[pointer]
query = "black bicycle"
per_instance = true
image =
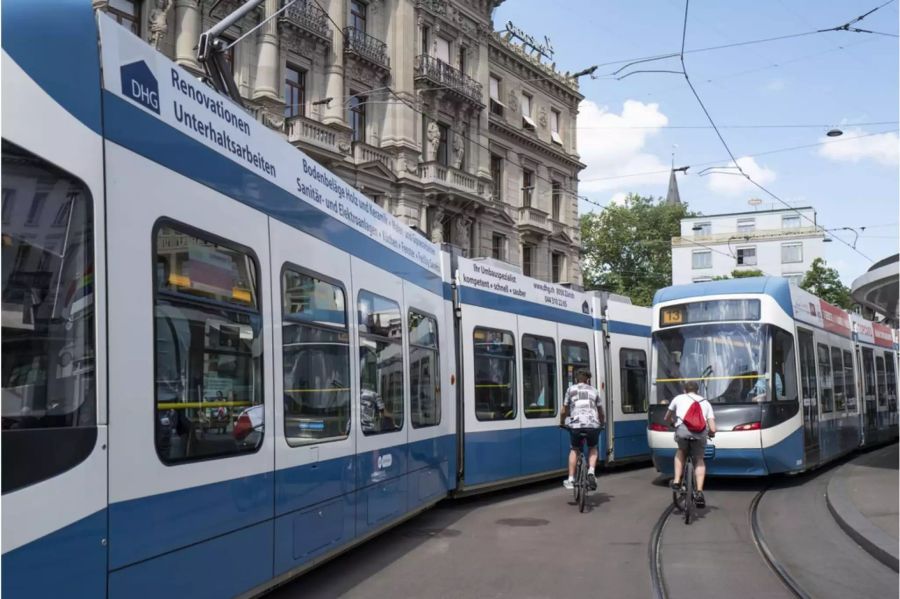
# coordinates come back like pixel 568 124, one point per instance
pixel 581 485
pixel 684 498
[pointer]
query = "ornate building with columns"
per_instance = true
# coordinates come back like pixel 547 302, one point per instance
pixel 457 130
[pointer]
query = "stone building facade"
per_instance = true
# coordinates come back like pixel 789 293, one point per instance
pixel 419 104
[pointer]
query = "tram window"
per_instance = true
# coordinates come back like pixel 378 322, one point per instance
pixel 539 376
pixel 826 384
pixel 784 369
pixel 495 374
pixel 849 381
pixel 879 379
pixel 837 365
pixel 316 359
pixel 575 356
pixel 808 383
pixel 380 364
pixel 424 371
pixel 633 368
pixel 48 355
pixel 208 331
pixel 891 380
pixel 868 374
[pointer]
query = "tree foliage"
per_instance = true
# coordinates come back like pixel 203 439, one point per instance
pixel 628 247
pixel 825 282
pixel 741 274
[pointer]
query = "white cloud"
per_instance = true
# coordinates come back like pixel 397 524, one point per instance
pixel 881 148
pixel 612 145
pixel 618 198
pixel 735 184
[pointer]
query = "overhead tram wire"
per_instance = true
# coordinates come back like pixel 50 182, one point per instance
pixel 728 149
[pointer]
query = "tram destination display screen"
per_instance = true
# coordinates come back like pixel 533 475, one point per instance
pixel 709 311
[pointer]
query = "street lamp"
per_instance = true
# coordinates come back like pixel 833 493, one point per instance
pixel 588 71
pixel 834 133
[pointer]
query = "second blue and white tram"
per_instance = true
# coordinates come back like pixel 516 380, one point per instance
pixel 794 381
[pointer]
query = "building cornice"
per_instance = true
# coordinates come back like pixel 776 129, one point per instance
pixel 538 74
pixel 533 143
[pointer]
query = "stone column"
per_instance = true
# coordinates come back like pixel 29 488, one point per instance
pixel 267 66
pixel 481 157
pixel 335 111
pixel 187 34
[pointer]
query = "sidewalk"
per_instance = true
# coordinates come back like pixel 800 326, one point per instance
pixel 863 497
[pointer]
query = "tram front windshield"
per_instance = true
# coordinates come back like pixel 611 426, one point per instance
pixel 728 361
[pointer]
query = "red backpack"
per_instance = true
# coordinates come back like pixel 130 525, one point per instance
pixel 694 420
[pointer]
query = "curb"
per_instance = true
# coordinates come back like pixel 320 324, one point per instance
pixel 871 538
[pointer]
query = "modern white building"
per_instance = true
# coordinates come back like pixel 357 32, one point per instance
pixel 780 242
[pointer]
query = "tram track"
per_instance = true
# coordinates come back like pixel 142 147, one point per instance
pixel 765 551
pixel 657 582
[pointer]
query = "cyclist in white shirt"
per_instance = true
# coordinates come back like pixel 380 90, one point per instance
pixel 583 415
pixel 677 410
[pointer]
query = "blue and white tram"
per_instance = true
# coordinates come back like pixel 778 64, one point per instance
pixel 782 369
pixel 221 364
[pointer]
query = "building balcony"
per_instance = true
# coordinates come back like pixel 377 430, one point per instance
pixel 447 179
pixel 366 48
pixel 305 132
pixel 534 220
pixel 306 18
pixel 438 74
pixel 435 7
pixel 749 236
pixel 364 153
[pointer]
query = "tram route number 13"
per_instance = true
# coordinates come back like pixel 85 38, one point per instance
pixel 672 316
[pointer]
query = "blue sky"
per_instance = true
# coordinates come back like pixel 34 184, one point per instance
pixel 834 79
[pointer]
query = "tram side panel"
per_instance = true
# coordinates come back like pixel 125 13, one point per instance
pixel 55 435
pixel 578 351
pixel 628 383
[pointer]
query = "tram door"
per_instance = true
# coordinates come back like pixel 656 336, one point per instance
pixel 809 388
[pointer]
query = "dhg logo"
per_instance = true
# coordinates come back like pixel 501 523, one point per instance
pixel 139 84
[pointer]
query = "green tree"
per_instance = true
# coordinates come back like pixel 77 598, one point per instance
pixel 628 247
pixel 741 274
pixel 825 282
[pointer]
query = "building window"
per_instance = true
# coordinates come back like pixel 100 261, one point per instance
pixel 746 225
pixel 495 374
pixel 36 208
pixel 208 356
pixel 539 376
pixel 496 105
pixel 498 246
pixel 554 127
pixel 380 364
pixel 9 201
pixel 746 256
pixel 426 38
pixel 497 177
pixel 633 370
pixel 527 259
pixel 294 91
pixel 358 16
pixel 556 199
pixel 462 60
pixel 790 222
pixel 794 278
pixel 442 49
pixel 424 371
pixel 126 13
pixel 527 121
pixel 791 252
pixel 358 116
pixel 702 229
pixel 316 359
pixel 527 187
pixel 558 265
pixel 443 152
pixel 575 356
pixel 701 259
pixel 229 55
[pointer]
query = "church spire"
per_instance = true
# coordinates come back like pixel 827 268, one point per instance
pixel 673 197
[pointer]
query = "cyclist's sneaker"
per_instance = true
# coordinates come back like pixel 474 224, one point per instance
pixel 675 486
pixel 592 481
pixel 699 499
pixel 569 483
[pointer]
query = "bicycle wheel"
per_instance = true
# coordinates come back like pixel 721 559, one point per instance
pixel 688 491
pixel 576 488
pixel 582 482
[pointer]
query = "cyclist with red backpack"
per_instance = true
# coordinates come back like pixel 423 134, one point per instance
pixel 694 420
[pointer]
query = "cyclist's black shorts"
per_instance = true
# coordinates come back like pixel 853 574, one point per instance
pixel 592 435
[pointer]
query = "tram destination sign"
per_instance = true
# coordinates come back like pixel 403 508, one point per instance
pixel 144 78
